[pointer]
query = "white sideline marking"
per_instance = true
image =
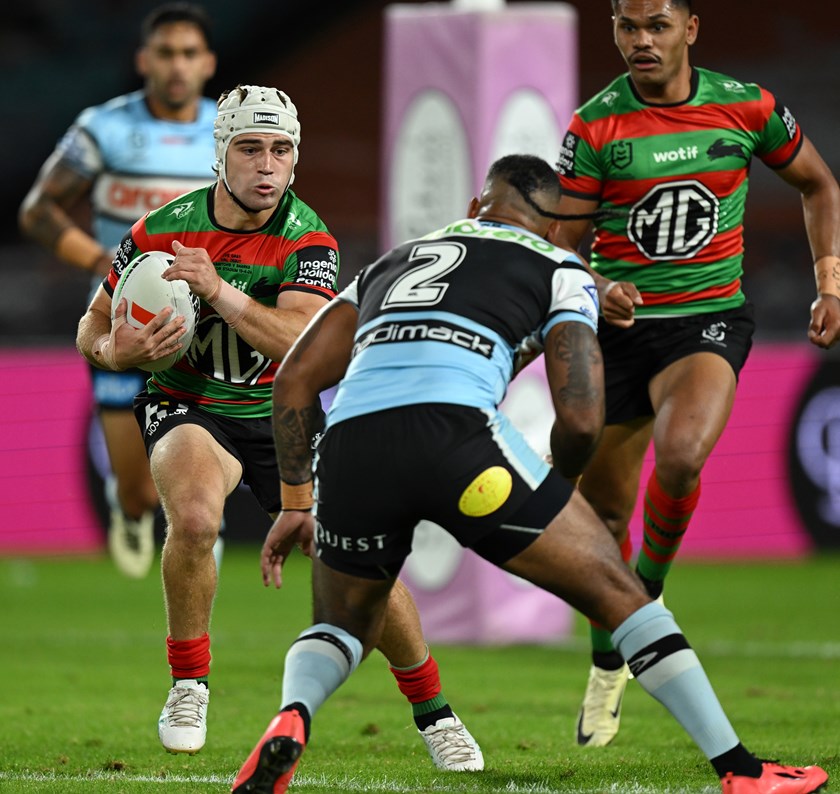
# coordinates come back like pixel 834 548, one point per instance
pixel 328 784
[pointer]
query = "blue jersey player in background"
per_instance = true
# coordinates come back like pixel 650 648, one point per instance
pixel 125 157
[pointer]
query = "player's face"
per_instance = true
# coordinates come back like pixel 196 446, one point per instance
pixel 653 37
pixel 258 167
pixel 176 63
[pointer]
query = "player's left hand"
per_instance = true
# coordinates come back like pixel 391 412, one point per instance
pixel 194 266
pixel 824 329
pixel 290 528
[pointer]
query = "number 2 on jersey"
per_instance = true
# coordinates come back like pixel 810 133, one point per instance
pixel 422 285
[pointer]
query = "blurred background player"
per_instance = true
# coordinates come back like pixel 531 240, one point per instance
pixel 126 157
pixel 669 146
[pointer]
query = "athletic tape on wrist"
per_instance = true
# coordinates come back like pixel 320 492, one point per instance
pixel 229 303
pixel 827 275
pixel 103 351
pixel 296 497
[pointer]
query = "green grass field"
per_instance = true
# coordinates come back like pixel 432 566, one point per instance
pixel 83 676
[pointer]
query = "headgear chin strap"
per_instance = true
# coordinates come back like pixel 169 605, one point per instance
pixel 253 108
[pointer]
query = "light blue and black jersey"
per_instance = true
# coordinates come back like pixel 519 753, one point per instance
pixel 427 332
pixel 137 162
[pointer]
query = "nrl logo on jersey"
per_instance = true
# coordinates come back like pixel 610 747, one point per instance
pixel 182 210
pixel 621 154
pixel 733 85
pixel 609 98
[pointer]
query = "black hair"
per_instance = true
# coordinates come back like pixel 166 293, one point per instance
pixel 686 4
pixel 170 13
pixel 529 174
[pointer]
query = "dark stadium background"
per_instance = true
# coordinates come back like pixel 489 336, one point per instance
pixel 58 57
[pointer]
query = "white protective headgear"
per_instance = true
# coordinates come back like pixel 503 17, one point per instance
pixel 254 108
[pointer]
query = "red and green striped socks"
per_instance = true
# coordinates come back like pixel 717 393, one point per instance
pixel 665 522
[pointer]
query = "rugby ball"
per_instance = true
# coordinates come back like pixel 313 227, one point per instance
pixel 147 294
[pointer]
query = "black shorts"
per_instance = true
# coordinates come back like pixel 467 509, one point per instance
pixel 632 356
pixel 250 441
pixel 468 470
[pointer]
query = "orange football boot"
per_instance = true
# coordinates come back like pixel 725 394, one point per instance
pixel 776 779
pixel 271 765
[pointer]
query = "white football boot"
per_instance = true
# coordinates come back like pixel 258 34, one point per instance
pixel 452 746
pixel 182 726
pixel 600 713
pixel 132 543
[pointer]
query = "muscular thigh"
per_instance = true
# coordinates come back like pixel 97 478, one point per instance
pixel 693 399
pixel 190 458
pixel 576 560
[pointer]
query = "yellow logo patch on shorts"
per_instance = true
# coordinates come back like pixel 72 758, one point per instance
pixel 486 493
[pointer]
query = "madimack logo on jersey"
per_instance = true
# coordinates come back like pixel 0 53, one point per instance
pixel 425 331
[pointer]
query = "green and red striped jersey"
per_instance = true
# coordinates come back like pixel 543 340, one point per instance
pixel 292 251
pixel 676 177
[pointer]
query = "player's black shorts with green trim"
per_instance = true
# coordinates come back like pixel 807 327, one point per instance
pixel 467 469
pixel 250 441
pixel 632 356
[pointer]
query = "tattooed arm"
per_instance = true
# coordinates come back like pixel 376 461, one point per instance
pixel 575 371
pixel 316 361
pixel 45 217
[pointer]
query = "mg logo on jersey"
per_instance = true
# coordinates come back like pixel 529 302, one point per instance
pixel 622 153
pixel 674 220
